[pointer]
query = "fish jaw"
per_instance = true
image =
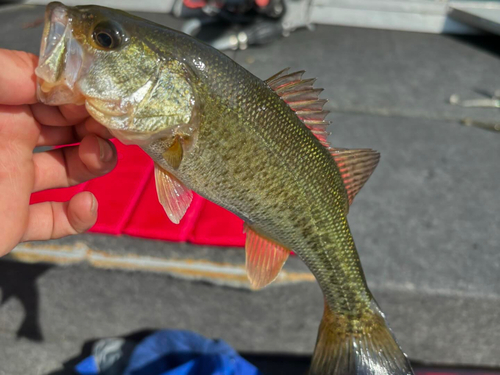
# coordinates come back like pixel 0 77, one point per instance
pixel 61 59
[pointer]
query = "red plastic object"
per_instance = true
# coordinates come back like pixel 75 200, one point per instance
pixel 128 204
pixel 119 191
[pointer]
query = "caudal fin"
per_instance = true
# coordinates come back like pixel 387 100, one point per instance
pixel 364 346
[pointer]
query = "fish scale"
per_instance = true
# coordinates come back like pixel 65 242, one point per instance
pixel 328 250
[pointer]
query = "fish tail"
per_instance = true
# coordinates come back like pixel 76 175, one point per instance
pixel 361 346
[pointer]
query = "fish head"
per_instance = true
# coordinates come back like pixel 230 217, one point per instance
pixel 110 61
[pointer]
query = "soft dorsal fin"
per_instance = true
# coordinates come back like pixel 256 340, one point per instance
pixel 172 194
pixel 355 166
pixel 264 258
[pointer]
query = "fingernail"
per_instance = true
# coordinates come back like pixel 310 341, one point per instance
pixel 93 206
pixel 105 150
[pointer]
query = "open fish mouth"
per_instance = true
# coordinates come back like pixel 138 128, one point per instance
pixel 61 59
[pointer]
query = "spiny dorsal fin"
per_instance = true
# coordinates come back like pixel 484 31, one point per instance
pixel 172 194
pixel 303 99
pixel 355 165
pixel 264 258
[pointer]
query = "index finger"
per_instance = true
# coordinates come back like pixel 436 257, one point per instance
pixel 17 77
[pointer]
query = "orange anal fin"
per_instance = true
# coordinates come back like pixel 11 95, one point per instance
pixel 172 194
pixel 264 258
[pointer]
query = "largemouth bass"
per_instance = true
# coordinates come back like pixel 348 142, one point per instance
pixel 257 148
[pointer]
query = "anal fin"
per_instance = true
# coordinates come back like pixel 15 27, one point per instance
pixel 172 194
pixel 264 258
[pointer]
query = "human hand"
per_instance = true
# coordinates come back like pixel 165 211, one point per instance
pixel 26 124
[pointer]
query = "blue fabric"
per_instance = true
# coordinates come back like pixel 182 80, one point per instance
pixel 87 367
pixel 171 352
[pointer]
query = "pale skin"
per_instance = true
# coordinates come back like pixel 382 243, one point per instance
pixel 26 124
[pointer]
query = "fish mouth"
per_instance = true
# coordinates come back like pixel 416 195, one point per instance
pixel 61 59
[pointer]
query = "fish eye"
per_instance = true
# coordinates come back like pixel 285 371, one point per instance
pixel 107 35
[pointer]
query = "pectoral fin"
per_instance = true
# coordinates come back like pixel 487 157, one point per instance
pixel 172 194
pixel 173 154
pixel 264 258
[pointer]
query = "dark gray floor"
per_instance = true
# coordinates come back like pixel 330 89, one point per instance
pixel 426 224
pixel 388 73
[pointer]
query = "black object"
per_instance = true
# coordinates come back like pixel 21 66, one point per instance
pixel 233 24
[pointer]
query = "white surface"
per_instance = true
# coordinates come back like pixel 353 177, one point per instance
pixel 409 15
pixel 164 6
pixel 483 15
pixel 428 16
pixel 405 21
pixel 411 6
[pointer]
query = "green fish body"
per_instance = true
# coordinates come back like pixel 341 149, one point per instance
pixel 257 148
